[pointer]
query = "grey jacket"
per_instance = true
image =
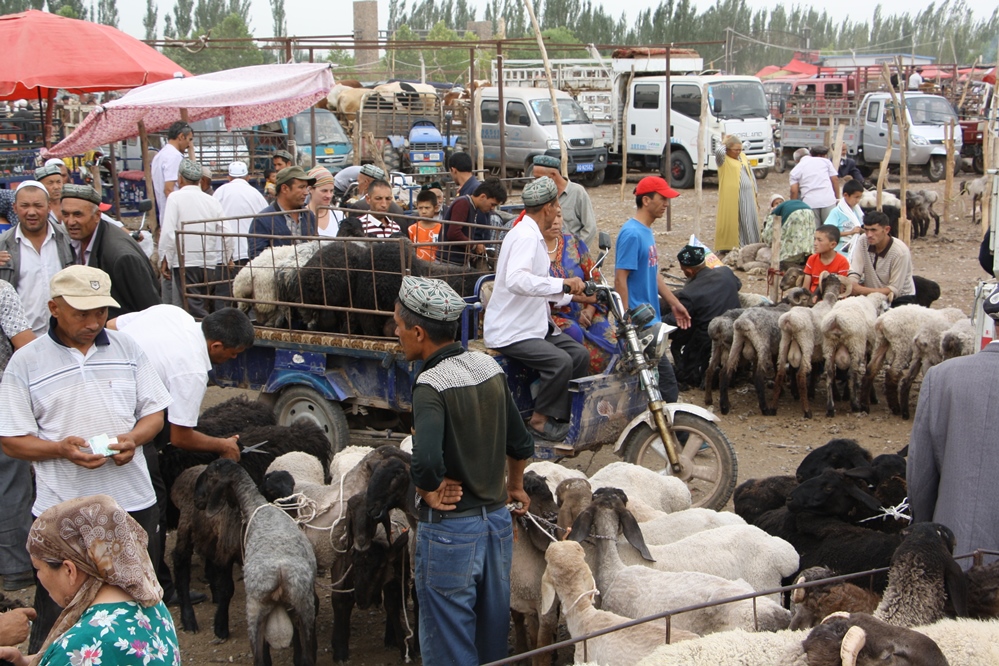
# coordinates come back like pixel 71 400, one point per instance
pixel 8 243
pixel 953 458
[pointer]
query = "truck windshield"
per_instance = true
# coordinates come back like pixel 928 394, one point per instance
pixel 930 110
pixel 328 129
pixel 572 113
pixel 737 99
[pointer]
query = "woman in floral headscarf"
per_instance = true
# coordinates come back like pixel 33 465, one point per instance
pixel 91 557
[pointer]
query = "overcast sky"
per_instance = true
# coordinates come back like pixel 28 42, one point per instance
pixel 309 17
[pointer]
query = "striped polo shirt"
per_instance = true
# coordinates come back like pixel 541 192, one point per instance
pixel 52 391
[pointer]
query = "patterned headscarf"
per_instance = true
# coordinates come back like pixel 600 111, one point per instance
pixel 105 543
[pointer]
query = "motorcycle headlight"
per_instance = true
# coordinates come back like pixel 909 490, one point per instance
pixel 641 315
pixel 553 144
pixel 919 140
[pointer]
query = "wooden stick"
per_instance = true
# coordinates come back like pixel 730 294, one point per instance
pixel 883 167
pixel 702 132
pixel 949 182
pixel 775 259
pixel 152 219
pixel 902 117
pixel 190 146
pixel 989 158
pixel 477 120
pixel 563 146
pixel 624 133
pixel 967 84
pixel 837 148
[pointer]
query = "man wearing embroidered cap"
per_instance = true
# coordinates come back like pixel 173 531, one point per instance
pixel 708 293
pixel 636 266
pixel 281 159
pixel 51 178
pixel 285 216
pixel 78 383
pixel 98 244
pixel 239 200
pixel 32 252
pixel 202 245
pixel 578 216
pixel 518 320
pixel 467 432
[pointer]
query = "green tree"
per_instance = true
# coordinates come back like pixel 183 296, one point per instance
pixel 280 19
pixel 559 35
pixel 69 8
pixel 149 20
pixel 107 13
pixel 182 19
pixel 224 56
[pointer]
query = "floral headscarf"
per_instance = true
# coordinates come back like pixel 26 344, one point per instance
pixel 105 543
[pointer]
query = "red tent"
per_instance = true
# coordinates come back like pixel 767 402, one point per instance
pixel 990 76
pixel 47 52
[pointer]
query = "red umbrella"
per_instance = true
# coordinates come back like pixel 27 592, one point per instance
pixel 990 76
pixel 46 52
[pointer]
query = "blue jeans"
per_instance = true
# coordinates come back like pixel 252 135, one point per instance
pixel 463 586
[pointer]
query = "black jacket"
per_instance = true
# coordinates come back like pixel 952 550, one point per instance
pixel 133 281
pixel 708 294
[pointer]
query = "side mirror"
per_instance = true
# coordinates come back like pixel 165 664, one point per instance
pixel 717 107
pixel 604 241
pixel 782 107
pixel 145 205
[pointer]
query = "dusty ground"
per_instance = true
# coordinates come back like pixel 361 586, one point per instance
pixel 764 445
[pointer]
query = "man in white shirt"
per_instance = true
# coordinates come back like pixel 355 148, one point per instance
pixel 915 79
pixel 518 319
pixel 241 200
pixel 65 394
pixel 816 182
pixel 202 245
pixel 36 249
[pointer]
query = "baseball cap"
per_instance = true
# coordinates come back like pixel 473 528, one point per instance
pixel 238 170
pixel 83 288
pixel 653 184
pixel 293 173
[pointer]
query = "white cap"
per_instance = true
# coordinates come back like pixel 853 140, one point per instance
pixel 31 183
pixel 238 170
pixel 21 104
pixel 56 161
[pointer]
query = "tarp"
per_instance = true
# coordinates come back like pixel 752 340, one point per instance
pixel 794 68
pixel 245 97
pixel 990 76
pixel 46 52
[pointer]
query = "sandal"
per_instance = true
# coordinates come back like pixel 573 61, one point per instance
pixel 553 431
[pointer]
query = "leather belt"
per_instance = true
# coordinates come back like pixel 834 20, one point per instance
pixel 428 515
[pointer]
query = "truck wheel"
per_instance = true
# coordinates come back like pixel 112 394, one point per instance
pixel 761 174
pixel 978 163
pixel 613 173
pixel 392 158
pixel 301 403
pixel 936 168
pixel 708 459
pixel 680 173
pixel 594 179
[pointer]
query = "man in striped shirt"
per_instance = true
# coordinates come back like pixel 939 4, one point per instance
pixel 377 223
pixel 67 392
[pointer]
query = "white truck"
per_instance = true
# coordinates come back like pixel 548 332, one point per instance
pixel 736 105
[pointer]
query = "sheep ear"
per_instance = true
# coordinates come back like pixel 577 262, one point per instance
pixel 864 498
pixel 853 643
pixel 548 596
pixel 864 472
pixel 633 533
pixel 581 526
pixel 217 500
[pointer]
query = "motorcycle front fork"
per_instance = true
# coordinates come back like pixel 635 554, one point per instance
pixel 661 416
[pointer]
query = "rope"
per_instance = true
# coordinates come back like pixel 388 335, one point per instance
pixel 246 528
pixel 343 578
pixel 772 274
pixel 589 593
pixel 894 512
pixel 405 613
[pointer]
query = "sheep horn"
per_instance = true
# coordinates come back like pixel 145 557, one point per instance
pixel 837 614
pixel 799 594
pixel 853 643
pixel 848 287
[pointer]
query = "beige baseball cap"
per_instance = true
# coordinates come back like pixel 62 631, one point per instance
pixel 83 287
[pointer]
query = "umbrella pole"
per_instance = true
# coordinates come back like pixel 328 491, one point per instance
pixel 152 220
pixel 190 146
pixel 41 119
pixel 116 201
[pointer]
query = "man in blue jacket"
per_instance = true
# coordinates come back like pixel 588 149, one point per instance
pixel 284 217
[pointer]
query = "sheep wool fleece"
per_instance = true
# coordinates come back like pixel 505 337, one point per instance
pixel 466 425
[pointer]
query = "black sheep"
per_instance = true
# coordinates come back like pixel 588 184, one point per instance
pixel 326 279
pixel 835 454
pixel 927 290
pixel 755 497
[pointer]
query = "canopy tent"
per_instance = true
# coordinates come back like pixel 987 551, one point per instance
pixel 244 97
pixel 793 68
pixel 46 52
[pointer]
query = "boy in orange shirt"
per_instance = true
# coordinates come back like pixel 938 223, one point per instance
pixel 427 230
pixel 826 258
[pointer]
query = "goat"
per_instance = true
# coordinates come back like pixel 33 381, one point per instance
pixel 976 188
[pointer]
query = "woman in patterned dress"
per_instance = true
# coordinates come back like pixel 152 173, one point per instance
pixel 91 557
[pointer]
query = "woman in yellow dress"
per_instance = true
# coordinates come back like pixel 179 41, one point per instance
pixel 737 222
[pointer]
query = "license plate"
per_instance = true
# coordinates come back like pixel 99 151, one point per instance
pixel 428 169
pixel 753 162
pixel 585 166
pixel 329 151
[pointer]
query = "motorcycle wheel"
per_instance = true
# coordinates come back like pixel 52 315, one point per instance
pixel 708 459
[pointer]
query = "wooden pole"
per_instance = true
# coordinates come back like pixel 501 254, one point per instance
pixel 476 117
pixel 989 156
pixel 967 83
pixel 147 170
pixel 502 115
pixel 190 146
pixel 115 192
pixel 774 290
pixel 883 167
pixel 624 132
pixel 836 148
pixel 902 117
pixel 551 88
pixel 702 131
pixel 477 122
pixel 669 133
pixel 949 182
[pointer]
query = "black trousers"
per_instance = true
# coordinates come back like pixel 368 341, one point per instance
pixel 558 358
pixel 48 610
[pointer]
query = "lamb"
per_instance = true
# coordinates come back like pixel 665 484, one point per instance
pixel 303 467
pixel 800 340
pixel 834 454
pixel 755 337
pixel 755 497
pixel 869 200
pixel 637 591
pixel 847 336
pixel 976 188
pixel 965 642
pixel 553 473
pixel 958 340
pixel 923 578
pixel 568 578
pixel 720 332
pixel 279 568
pixel 812 604
pixel 672 527
pixel 926 351
pixel 919 207
pixel 258 283
pixel 572 496
pixel 663 493
pixel 894 332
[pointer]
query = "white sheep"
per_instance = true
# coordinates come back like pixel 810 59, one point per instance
pixel 847 337
pixel 976 188
pixel 661 492
pixel 303 467
pixel 567 578
pixel 925 351
pixel 958 340
pixel 894 332
pixel 673 527
pixel 258 280
pixel 965 642
pixel 870 200
pixel 553 472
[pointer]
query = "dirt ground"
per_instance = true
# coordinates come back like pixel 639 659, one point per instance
pixel 764 445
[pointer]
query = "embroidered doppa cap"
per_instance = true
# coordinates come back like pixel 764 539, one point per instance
pixel 43 172
pixel 190 170
pixel 691 256
pixel 539 192
pixel 83 287
pixel 84 192
pixel 434 299
pixel 238 169
pixel 372 171
pixel 547 161
pixel 283 154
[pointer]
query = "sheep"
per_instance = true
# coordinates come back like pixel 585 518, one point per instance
pixel 553 473
pixel 326 280
pixel 258 284
pixel 958 340
pixel 672 527
pixel 965 642
pixel 894 332
pixel 748 300
pixel 977 189
pixel 755 497
pixel 732 551
pixel 637 591
pixel 793 277
pixel 926 290
pixel 572 496
pixel 663 493
pixel 234 416
pixel 834 454
pixel 755 337
pixel 847 336
pixel 869 200
pixel 925 353
pixel 923 578
pixel 279 568
pixel 303 467
pixel 919 208
pixel 720 332
pixel 568 578
pixel 812 604
pixel 800 340
pixel 983 590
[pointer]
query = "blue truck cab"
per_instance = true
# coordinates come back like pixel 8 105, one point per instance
pixel 333 147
